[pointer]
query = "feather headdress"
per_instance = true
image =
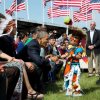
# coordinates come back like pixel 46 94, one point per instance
pixel 78 31
pixel 4 20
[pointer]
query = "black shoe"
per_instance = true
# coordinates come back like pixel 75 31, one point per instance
pixel 98 82
pixel 89 76
pixel 35 96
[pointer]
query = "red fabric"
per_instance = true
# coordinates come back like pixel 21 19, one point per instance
pixel 15 46
pixel 83 42
pixel 69 23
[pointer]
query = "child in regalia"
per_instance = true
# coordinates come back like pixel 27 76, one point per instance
pixel 72 70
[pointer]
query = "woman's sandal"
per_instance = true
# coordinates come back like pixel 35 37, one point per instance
pixel 34 98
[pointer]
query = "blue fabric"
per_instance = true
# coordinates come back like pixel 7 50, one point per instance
pixel 52 73
pixel 66 84
pixel 84 31
pixel 20 46
pixel 77 50
pixel 11 39
pixel 75 71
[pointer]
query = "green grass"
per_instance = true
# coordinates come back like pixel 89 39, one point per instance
pixel 88 85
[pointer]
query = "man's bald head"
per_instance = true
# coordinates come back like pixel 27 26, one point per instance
pixel 92 25
pixel 43 28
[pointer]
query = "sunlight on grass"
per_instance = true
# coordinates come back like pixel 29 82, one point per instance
pixel 91 90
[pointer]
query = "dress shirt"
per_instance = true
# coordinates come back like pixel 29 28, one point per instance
pixel 60 39
pixel 91 35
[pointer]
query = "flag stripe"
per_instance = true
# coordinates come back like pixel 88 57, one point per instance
pixel 20 6
pixel 57 12
pixel 70 3
pixel 77 16
pixel 45 1
pixel 89 5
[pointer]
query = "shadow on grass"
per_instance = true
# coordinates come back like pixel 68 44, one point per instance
pixel 91 89
pixel 57 88
pixel 54 89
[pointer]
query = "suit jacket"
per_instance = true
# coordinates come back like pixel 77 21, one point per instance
pixel 96 42
pixel 31 52
pixel 7 47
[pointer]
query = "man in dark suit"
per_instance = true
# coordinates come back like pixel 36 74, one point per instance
pixel 31 52
pixel 93 49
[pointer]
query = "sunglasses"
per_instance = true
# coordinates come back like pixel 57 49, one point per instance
pixel 62 45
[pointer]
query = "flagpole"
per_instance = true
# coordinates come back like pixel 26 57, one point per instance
pixel 72 13
pixel 86 15
pixel 94 15
pixel 43 12
pixel 4 6
pixel 27 9
pixel 51 12
pixel 16 21
pixel 67 25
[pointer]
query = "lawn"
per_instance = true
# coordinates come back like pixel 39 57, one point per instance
pixel 91 90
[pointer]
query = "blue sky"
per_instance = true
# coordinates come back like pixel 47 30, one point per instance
pixel 36 13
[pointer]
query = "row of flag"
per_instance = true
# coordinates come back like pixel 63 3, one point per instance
pixel 58 11
pixel 62 8
pixel 70 3
pixel 20 6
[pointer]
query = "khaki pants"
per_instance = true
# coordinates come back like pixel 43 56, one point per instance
pixel 96 58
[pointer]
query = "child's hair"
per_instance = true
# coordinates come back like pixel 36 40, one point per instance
pixel 65 40
pixel 52 37
pixel 77 37
pixel 62 43
pixel 64 34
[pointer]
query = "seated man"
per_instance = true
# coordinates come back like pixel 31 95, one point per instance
pixel 54 51
pixel 2 83
pixel 31 52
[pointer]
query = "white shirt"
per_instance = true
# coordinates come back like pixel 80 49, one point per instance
pixel 60 39
pixel 91 35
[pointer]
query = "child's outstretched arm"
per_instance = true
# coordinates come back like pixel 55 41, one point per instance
pixel 74 56
pixel 78 57
pixel 64 55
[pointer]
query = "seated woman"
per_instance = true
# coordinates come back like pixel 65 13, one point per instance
pixel 23 78
pixel 11 28
pixel 23 38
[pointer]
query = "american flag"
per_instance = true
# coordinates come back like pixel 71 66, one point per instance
pixel 45 1
pixel 70 3
pixel 95 4
pixel 77 16
pixel 20 6
pixel 85 8
pixel 98 11
pixel 58 11
pixel 88 5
